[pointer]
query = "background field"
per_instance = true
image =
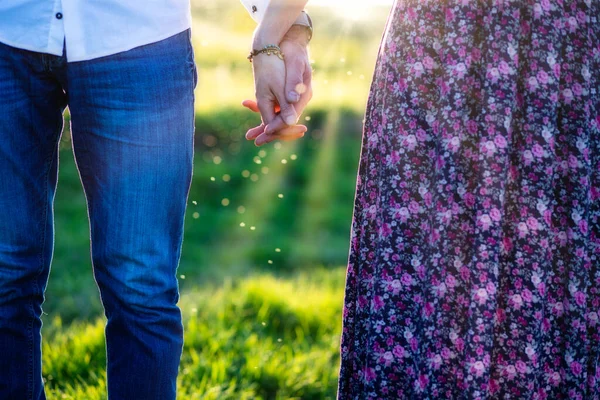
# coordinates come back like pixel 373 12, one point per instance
pixel 266 231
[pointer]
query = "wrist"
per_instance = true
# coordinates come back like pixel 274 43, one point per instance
pixel 301 31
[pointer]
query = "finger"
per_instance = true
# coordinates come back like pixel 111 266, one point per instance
pixel 251 105
pixel 294 85
pixel 291 133
pixel 287 111
pixel 266 106
pixel 254 132
pixel 290 130
pixel 278 123
pixel 284 138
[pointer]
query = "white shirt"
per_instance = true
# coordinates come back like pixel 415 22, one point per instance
pixel 95 28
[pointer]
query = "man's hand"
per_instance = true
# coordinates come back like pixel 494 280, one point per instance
pixel 295 95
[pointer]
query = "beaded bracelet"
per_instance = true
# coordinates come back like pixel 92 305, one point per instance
pixel 268 50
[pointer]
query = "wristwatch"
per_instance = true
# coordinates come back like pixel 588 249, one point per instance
pixel 305 20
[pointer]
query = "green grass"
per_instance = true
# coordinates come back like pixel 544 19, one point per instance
pixel 256 338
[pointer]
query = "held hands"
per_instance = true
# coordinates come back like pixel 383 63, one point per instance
pixel 283 88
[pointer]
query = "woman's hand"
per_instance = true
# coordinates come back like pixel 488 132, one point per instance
pixel 283 89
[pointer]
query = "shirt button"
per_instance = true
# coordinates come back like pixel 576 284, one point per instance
pixel 58 15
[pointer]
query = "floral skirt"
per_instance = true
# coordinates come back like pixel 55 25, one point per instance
pixel 473 270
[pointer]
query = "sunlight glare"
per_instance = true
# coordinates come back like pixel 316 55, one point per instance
pixel 351 9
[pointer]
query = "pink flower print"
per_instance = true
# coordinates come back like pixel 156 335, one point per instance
pixel 500 141
pixel 453 144
pixel 460 344
pixel 491 288
pixel 485 222
pixel 436 361
pixel 396 286
pixel 558 309
pixel 378 303
pixel 543 77
pixel 522 229
pixel 516 301
pixel 413 207
pixel 580 298
pixel 530 351
pixel 471 127
pixel 460 70
pixel 572 24
pixel 555 378
pixel 583 226
pixel 577 89
pixel 527 295
pixel 428 309
pixel 521 367
pixel 418 68
pixel 398 351
pixel 446 353
pixel 535 279
pixel 547 216
pixel 532 223
pixel 451 281
pixel 422 382
pixel 532 82
pixel 388 358
pixel 576 368
pixel 493 74
pixel 428 63
pixel 414 343
pixel 573 162
pixel 495 214
pixel 488 148
pixel 410 142
pixel 556 69
pixel 385 230
pixel 537 151
pixel 504 68
pixel 568 95
pixel 481 296
pixel 545 5
pixel 510 371
pixel 407 279
pixel 478 368
pixel 537 11
pixel 369 374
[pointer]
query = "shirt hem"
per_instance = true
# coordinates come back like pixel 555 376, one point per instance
pixel 44 50
pixel 105 53
pixel 130 46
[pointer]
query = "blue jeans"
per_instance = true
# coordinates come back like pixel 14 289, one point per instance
pixel 132 124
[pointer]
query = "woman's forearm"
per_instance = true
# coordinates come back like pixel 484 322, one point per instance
pixel 279 16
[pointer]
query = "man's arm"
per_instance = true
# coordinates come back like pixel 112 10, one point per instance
pixel 256 8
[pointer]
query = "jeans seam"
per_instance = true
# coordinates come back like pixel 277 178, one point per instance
pixel 39 271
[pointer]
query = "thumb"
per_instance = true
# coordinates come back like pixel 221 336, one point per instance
pixel 288 111
pixel 294 86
